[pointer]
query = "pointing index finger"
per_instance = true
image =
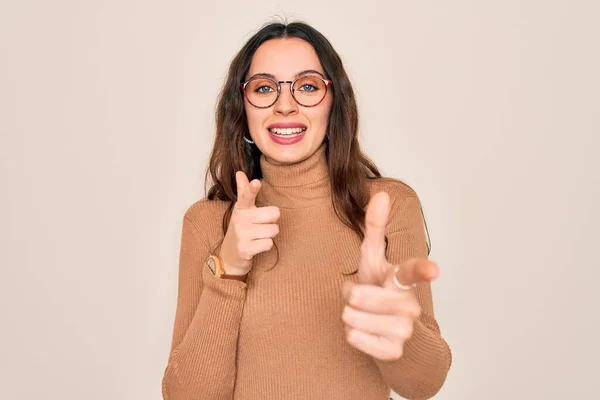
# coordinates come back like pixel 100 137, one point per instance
pixel 376 218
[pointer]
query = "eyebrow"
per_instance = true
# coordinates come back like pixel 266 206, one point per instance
pixel 301 73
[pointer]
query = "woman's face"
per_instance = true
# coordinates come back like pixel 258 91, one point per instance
pixel 275 129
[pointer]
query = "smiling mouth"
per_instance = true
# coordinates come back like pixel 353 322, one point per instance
pixel 287 132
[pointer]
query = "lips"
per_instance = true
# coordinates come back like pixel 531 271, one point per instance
pixel 287 129
pixel 287 138
pixel 286 132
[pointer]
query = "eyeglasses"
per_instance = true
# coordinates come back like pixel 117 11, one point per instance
pixel 307 90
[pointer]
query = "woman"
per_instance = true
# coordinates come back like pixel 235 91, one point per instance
pixel 288 289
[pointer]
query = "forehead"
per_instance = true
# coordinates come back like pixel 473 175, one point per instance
pixel 284 58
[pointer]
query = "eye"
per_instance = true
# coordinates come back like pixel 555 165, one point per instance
pixel 307 87
pixel 263 89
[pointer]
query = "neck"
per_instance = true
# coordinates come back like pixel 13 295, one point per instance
pixel 300 185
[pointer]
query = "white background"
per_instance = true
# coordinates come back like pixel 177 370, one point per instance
pixel 489 109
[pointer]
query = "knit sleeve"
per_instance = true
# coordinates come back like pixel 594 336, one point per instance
pixel 426 359
pixel 202 361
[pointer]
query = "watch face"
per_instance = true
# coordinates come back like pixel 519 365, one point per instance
pixel 211 265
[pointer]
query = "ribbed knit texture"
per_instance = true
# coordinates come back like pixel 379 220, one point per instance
pixel 280 335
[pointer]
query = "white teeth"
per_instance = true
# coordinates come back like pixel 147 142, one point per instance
pixel 287 131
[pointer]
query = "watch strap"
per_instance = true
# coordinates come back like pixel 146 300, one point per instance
pixel 217 267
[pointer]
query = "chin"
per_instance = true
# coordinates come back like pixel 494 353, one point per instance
pixel 289 154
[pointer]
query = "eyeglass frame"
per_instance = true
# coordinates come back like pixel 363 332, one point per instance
pixel 327 82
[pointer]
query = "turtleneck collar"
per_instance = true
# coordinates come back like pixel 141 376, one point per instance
pixel 300 185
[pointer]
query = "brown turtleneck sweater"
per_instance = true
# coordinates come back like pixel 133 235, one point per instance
pixel 280 335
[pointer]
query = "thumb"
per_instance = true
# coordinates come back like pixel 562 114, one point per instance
pixel 246 191
pixel 413 271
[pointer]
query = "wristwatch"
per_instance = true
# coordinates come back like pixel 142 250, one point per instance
pixel 215 265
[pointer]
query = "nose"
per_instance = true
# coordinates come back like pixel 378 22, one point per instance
pixel 285 104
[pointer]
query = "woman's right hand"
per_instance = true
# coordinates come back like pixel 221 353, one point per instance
pixel 251 229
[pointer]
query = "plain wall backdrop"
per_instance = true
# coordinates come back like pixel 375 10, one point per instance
pixel 489 109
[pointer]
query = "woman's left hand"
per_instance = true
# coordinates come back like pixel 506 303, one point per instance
pixel 379 316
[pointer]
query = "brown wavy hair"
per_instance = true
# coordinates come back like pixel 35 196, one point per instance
pixel 349 168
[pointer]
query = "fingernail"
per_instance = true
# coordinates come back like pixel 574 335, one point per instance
pixel 345 313
pixel 354 299
pixel 435 271
pixel 346 290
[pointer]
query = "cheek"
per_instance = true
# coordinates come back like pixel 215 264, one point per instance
pixel 320 116
pixel 255 118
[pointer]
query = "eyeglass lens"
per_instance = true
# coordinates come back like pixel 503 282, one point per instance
pixel 307 91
